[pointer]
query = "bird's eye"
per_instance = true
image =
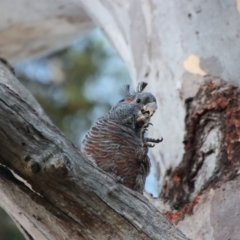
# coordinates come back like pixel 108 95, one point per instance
pixel 138 100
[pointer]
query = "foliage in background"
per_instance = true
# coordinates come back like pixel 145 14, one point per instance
pixel 74 86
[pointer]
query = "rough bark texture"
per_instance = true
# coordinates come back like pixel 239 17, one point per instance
pixel 7 76
pixel 204 189
pixel 61 194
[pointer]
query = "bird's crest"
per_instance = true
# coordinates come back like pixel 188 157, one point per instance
pixel 141 86
pixel 129 93
pixel 126 91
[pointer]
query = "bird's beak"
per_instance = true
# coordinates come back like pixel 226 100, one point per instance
pixel 149 108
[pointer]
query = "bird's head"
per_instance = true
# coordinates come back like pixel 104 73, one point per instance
pixel 137 107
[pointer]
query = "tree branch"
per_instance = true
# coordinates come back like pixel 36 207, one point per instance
pixel 66 196
pixel 7 76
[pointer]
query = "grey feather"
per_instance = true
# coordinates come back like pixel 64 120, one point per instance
pixel 141 86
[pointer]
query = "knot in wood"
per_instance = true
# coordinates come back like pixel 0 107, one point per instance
pixel 33 166
pixel 59 166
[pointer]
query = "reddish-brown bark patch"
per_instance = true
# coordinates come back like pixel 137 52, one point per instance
pixel 187 209
pixel 216 106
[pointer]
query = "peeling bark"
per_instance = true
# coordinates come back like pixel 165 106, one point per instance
pixel 62 195
pixel 204 188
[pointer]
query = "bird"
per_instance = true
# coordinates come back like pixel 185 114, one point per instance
pixel 116 141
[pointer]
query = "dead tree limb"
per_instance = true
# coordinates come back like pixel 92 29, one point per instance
pixel 61 194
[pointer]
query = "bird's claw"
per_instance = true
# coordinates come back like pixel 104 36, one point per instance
pixel 147 140
pixel 147 125
pixel 149 145
pixel 119 179
pixel 154 140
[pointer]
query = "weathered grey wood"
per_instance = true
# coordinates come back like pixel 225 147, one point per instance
pixel 7 76
pixel 70 197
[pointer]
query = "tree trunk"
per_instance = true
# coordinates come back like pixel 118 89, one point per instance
pixel 52 191
pixel 204 189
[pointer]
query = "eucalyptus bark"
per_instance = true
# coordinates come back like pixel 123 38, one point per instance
pixel 203 191
pixel 52 191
